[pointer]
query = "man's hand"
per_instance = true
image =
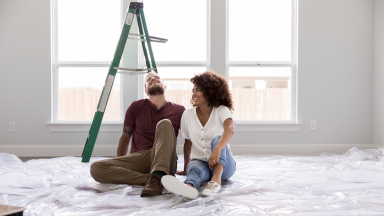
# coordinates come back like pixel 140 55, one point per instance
pixel 214 158
pixel 181 172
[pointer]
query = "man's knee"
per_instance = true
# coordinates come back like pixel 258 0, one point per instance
pixel 165 134
pixel 96 170
pixel 165 127
pixel 164 123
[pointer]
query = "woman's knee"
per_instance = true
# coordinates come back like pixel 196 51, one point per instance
pixel 224 151
pixel 214 142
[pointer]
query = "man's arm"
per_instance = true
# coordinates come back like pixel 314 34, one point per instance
pixel 187 154
pixel 122 148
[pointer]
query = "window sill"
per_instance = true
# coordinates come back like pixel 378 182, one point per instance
pixel 118 127
pixel 84 127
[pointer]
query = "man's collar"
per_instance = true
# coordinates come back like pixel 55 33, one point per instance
pixel 154 106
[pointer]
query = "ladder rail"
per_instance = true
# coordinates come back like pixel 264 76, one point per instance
pixel 96 123
pixel 148 39
pixel 139 24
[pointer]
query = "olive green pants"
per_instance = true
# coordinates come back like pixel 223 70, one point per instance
pixel 135 169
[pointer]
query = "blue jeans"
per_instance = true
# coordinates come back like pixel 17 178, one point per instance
pixel 198 171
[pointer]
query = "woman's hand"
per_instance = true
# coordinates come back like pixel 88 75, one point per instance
pixel 181 172
pixel 214 158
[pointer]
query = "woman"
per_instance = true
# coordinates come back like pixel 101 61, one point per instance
pixel 207 128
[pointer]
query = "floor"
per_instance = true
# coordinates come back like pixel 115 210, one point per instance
pixel 327 184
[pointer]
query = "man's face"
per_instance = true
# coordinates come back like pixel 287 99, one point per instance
pixel 154 85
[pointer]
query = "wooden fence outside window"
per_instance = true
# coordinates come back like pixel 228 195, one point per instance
pixel 249 104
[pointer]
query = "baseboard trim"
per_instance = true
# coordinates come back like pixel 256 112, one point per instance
pixel 56 150
pixel 237 149
pixel 296 149
pixel 241 125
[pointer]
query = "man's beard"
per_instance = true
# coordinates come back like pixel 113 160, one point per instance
pixel 156 89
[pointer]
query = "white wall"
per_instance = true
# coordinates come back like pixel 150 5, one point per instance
pixel 335 83
pixel 378 76
pixel 25 90
pixel 335 70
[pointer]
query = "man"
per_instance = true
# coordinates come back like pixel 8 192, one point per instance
pixel 153 124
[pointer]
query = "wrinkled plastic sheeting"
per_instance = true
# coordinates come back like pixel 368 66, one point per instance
pixel 327 184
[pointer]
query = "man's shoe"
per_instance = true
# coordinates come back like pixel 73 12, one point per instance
pixel 211 189
pixel 153 187
pixel 174 185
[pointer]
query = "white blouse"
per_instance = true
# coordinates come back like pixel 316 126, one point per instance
pixel 201 137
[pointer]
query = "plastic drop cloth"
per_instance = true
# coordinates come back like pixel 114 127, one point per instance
pixel 327 184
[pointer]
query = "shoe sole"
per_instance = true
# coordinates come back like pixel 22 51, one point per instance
pixel 174 185
pixel 208 194
pixel 147 195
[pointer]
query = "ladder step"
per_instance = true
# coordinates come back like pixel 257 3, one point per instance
pixel 152 38
pixel 131 38
pixel 134 69
pixel 157 39
pixel 136 34
pixel 132 73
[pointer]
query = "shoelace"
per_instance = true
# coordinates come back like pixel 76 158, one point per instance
pixel 211 185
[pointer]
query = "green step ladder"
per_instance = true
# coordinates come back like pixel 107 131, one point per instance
pixel 135 8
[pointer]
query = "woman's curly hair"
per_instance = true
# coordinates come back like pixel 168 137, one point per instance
pixel 215 89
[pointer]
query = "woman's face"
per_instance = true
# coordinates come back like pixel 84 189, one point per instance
pixel 198 97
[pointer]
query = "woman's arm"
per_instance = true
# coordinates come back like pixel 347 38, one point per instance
pixel 229 130
pixel 187 159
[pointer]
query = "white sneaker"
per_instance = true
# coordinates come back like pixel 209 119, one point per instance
pixel 174 185
pixel 211 189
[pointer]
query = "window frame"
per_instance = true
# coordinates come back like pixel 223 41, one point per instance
pixel 56 64
pixel 292 64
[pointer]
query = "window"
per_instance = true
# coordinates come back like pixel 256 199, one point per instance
pixel 259 42
pixel 185 25
pixel 261 58
pixel 260 52
pixel 84 40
